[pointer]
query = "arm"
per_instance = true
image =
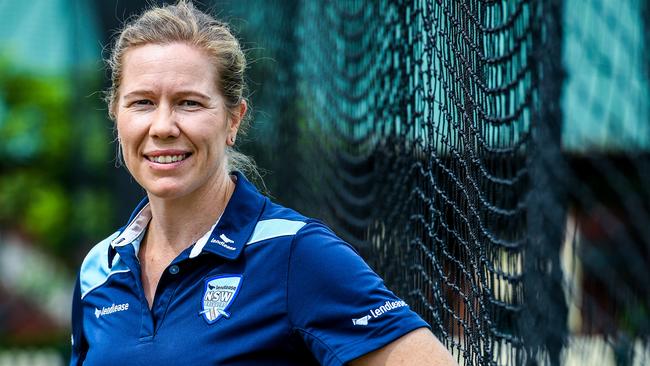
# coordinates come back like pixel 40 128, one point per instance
pixel 418 347
pixel 343 310
pixel 79 344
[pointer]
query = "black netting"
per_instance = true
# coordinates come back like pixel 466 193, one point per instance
pixel 489 159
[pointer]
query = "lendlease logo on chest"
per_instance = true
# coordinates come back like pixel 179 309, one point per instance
pixel 111 309
pixel 376 313
pixel 224 242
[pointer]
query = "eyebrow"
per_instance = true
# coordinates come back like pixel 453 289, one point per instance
pixel 180 94
pixel 192 93
pixel 137 93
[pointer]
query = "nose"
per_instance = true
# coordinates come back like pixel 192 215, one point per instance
pixel 164 124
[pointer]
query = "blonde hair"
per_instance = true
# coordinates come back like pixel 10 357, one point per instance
pixel 186 24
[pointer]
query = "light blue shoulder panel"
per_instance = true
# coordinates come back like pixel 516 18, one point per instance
pixel 94 269
pixel 273 228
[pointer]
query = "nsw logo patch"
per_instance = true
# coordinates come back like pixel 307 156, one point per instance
pixel 219 293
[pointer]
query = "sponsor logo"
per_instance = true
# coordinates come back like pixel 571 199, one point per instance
pixel 376 313
pixel 111 309
pixel 224 242
pixel 226 239
pixel 361 321
pixel 219 293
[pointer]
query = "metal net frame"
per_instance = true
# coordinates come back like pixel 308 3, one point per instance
pixel 436 136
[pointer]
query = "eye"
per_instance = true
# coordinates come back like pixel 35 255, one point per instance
pixel 141 102
pixel 190 103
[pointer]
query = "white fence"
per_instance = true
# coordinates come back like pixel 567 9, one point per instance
pixel 30 357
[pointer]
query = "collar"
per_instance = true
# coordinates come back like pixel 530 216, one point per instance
pixel 226 238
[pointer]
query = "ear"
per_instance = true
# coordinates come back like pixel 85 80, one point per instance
pixel 235 122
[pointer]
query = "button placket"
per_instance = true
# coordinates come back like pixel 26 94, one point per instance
pixel 166 288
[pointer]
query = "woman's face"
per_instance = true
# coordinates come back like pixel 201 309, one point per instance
pixel 172 121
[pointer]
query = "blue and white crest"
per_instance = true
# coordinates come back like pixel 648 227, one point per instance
pixel 219 293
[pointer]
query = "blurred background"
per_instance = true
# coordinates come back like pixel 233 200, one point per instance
pixel 490 159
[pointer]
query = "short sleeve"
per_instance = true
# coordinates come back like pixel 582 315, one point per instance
pixel 340 307
pixel 79 344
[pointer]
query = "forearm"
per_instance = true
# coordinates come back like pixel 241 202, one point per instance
pixel 419 347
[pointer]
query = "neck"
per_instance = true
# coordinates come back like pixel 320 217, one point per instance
pixel 177 223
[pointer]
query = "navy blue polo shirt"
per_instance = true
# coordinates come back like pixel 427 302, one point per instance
pixel 265 286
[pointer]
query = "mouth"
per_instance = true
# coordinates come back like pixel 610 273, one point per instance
pixel 167 159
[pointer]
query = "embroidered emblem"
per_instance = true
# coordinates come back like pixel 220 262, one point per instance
pixel 218 294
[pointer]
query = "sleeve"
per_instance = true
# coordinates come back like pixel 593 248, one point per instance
pixel 339 306
pixel 79 343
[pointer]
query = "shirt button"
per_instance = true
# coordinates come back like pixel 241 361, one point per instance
pixel 174 269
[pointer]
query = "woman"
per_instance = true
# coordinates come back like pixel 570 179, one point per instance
pixel 208 271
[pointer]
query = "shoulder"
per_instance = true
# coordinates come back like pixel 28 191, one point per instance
pixel 273 210
pixel 302 236
pixel 318 254
pixel 278 221
pixel 94 269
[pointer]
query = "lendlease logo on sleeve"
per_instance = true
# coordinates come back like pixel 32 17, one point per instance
pixel 361 321
pixel 111 309
pixel 376 313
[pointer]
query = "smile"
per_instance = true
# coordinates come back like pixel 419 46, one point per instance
pixel 167 159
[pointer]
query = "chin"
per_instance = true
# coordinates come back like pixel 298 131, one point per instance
pixel 167 195
pixel 166 191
